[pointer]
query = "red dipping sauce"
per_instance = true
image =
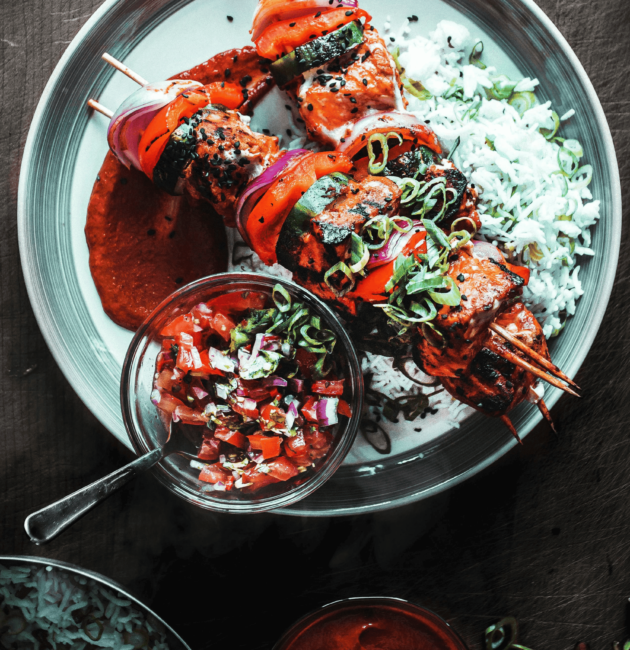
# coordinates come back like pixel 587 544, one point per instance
pixel 371 624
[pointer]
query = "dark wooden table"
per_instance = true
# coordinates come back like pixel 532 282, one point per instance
pixel 544 535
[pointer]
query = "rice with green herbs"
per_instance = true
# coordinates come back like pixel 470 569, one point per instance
pixel 43 607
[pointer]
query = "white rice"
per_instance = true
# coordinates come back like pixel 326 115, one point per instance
pixel 526 207
pixel 49 597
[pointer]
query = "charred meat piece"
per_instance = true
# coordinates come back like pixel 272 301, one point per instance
pixel 491 384
pixel 411 162
pixel 312 241
pixel 359 83
pixel 227 157
pixel 487 288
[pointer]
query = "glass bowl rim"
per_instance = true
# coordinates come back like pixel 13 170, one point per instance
pixel 292 495
pixel 367 600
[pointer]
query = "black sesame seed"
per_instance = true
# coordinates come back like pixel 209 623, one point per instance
pixel 266 131
pixel 349 13
pixel 123 181
pixel 291 24
pixel 353 100
pixel 151 232
pixel 318 14
pixel 245 80
pixel 392 39
pixel 464 297
pixel 354 110
pixel 310 107
pixel 461 277
pixel 179 280
pixel 230 18
pixel 289 132
pixel 413 19
pixel 227 73
pixel 365 82
pixel 261 220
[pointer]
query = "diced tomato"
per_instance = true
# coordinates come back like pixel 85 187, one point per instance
pixel 272 416
pixel 223 325
pixel 284 36
pixel 271 447
pixel 306 361
pixel 250 413
pixel 302 460
pixel 157 134
pixel 522 271
pixel 168 403
pixel 282 469
pixel 267 218
pixel 343 408
pixel 324 387
pixel 184 323
pixel 235 438
pixel 203 313
pixel 210 449
pixel 309 410
pixel 296 445
pixel 214 474
pixel 188 357
pixel 318 443
pixel 169 378
pixel 190 416
pixel 257 479
pixel 238 302
pixel 255 440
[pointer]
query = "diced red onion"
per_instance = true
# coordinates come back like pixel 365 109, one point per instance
pixel 259 459
pixel 222 391
pixel 199 393
pixel 222 459
pixel 249 404
pixel 269 11
pixel 175 417
pixel 397 121
pixel 271 343
pixel 286 349
pixel 219 361
pixel 296 385
pixel 292 414
pixel 258 187
pixel 274 380
pixel 327 411
pixel 220 486
pixel 167 356
pixel 393 247
pixel 242 392
pixel 155 397
pixel 133 116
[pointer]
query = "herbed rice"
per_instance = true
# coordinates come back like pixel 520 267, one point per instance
pixel 536 211
pixel 70 612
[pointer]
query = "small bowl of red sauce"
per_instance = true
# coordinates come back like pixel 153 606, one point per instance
pixel 259 381
pixel 371 624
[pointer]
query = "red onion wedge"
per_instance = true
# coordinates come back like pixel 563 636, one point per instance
pixel 327 411
pixel 133 116
pixel 393 247
pixel 254 191
pixel 269 11
pixel 406 124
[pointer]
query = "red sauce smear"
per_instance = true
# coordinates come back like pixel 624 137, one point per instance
pixel 144 244
pixel 349 626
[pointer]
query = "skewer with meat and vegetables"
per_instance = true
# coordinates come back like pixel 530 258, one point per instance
pixel 384 223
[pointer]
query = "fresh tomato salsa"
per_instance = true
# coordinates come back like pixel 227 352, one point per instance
pixel 259 376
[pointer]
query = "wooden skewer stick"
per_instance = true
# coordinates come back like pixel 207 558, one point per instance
pixel 545 411
pixel 124 69
pixel 539 358
pixel 517 361
pixel 508 423
pixel 92 103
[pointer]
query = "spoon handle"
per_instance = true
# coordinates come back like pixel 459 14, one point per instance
pixel 47 523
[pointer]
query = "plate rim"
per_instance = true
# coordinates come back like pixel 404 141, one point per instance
pixel 45 320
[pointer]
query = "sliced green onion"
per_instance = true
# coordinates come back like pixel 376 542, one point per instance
pixel 475 55
pixel 502 87
pixel 424 284
pixel 522 102
pixel 359 254
pixel 382 139
pixel 435 233
pixel 416 89
pixel 282 298
pixel 567 161
pixel 549 133
pixel 340 267
pixel 402 265
pixel 454 149
pixel 574 147
pixel 432 335
pixel 582 177
pixel 452 297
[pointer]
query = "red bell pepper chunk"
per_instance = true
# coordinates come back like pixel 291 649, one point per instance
pixel 256 440
pixel 235 438
pixel 309 409
pixel 184 323
pixel 271 446
pixel 190 416
pixel 257 479
pixel 282 469
pixel 284 36
pixel 238 302
pixel 206 366
pixel 343 408
pixel 324 387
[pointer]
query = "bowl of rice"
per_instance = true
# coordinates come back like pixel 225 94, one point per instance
pixel 51 604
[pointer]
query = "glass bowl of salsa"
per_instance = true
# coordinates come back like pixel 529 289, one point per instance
pixel 371 623
pixel 258 380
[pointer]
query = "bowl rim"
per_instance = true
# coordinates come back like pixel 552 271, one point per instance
pixel 367 600
pixel 63 356
pixel 346 436
pixel 98 577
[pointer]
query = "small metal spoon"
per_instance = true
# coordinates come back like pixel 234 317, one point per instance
pixel 47 523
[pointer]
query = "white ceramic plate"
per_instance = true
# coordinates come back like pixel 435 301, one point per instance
pixel 159 38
